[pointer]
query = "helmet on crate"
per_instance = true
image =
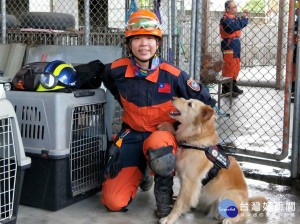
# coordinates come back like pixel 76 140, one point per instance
pixel 45 76
pixel 143 22
pixel 58 75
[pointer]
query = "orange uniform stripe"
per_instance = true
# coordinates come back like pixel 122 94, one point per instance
pixel 152 115
pixel 171 69
pixel 120 62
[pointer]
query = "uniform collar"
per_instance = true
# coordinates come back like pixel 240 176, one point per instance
pixel 152 77
pixel 229 15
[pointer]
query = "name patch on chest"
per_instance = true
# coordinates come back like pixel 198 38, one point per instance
pixel 164 87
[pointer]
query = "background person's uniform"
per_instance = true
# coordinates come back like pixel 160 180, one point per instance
pixel 146 102
pixel 230 30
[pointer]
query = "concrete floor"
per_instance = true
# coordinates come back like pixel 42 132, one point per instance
pixel 141 210
pixel 284 202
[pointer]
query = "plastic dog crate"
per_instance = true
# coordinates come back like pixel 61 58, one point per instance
pixel 13 161
pixel 64 135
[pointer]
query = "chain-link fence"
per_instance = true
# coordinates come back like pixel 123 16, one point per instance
pixel 258 125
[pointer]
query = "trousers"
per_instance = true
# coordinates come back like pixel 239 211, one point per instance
pixel 118 192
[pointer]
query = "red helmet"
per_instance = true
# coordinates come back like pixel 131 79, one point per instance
pixel 143 22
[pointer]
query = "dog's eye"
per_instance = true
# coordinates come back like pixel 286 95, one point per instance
pixel 189 104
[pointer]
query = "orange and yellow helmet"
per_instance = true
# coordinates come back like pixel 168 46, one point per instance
pixel 143 22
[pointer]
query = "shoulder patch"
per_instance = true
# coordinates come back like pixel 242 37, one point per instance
pixel 193 84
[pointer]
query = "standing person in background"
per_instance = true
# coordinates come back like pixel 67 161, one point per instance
pixel 230 30
pixel 145 85
pixel 295 52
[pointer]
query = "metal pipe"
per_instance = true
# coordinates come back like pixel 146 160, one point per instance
pixel 170 54
pixel 126 8
pixel 280 43
pixel 296 119
pixel 198 39
pixel 87 22
pixel 51 6
pixel 193 38
pixel 174 31
pixel 287 91
pixel 3 17
pixel 206 24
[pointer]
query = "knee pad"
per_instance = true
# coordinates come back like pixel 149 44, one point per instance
pixel 162 161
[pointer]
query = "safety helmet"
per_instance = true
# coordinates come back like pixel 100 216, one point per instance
pixel 57 75
pixel 45 76
pixel 143 22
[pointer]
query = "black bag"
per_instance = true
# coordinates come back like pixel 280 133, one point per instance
pixel 90 75
pixel 26 79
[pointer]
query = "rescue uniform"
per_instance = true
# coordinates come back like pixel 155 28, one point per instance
pixel 146 102
pixel 230 30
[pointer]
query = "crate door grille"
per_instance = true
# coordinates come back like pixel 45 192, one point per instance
pixel 87 158
pixel 8 169
pixel 31 123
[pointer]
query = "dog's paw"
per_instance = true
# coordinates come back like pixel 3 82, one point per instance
pixel 163 220
pixel 227 221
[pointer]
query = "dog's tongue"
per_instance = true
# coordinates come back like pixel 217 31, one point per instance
pixel 175 113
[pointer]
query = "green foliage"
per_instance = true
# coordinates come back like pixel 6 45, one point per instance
pixel 257 6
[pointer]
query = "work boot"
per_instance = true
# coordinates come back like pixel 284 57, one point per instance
pixel 236 89
pixel 147 180
pixel 163 192
pixel 226 89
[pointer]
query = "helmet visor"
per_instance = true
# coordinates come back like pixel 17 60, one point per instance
pixel 48 80
pixel 147 23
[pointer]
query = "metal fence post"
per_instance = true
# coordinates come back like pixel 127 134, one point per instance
pixel 287 92
pixel 198 39
pixel 87 22
pixel 174 30
pixel 170 53
pixel 193 38
pixel 3 17
pixel 296 119
pixel 280 44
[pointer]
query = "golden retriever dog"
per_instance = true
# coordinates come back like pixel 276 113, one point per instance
pixel 197 129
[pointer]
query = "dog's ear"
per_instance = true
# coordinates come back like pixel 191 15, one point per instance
pixel 207 112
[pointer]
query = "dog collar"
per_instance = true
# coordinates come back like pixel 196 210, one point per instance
pixel 216 155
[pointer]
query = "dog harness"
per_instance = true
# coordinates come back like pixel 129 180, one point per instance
pixel 216 155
